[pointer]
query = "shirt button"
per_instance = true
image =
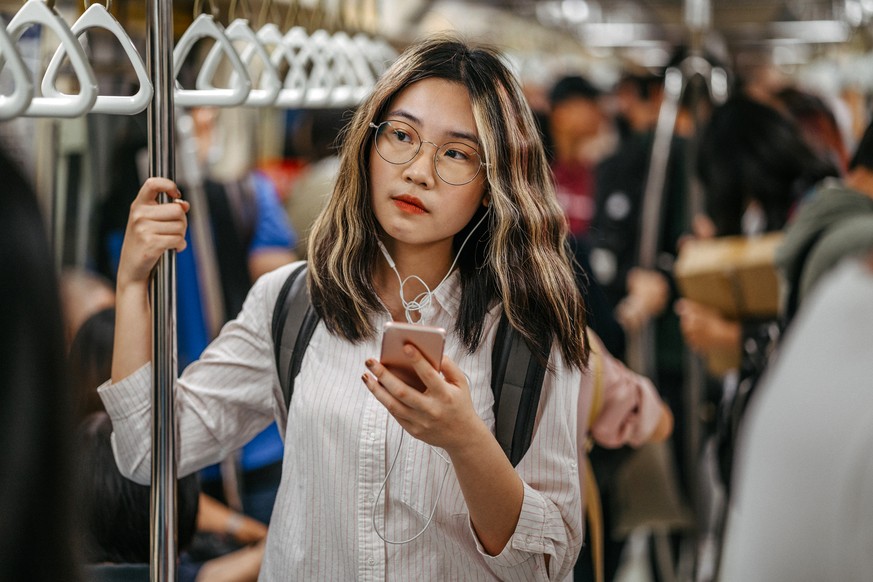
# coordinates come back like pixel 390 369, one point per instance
pixel 373 436
pixel 371 561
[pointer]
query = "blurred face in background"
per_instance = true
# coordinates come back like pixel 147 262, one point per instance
pixel 575 122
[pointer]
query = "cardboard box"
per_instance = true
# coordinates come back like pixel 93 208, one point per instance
pixel 735 275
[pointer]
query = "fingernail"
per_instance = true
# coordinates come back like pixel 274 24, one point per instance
pixel 364 378
pixel 370 362
pixel 407 349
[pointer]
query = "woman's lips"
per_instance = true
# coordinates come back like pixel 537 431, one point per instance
pixel 409 204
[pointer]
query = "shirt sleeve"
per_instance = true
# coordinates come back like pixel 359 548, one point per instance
pixel 272 228
pixel 550 522
pixel 221 401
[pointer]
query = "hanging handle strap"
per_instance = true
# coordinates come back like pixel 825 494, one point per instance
pixel 204 26
pixel 322 79
pixel 270 84
pixel 38 12
pixel 294 42
pixel 98 16
pixel 15 103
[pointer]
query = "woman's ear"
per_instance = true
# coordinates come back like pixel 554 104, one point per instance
pixel 486 201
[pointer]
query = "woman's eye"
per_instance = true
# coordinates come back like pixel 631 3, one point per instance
pixel 401 135
pixel 457 155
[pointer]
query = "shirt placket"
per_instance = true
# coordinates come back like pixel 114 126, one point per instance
pixel 371 463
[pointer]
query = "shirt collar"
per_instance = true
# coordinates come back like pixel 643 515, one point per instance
pixel 448 295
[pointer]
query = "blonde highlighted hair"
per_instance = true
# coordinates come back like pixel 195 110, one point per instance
pixel 521 261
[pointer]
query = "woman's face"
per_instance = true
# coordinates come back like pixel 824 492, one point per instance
pixel 412 203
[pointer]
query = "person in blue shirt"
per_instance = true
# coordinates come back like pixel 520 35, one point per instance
pixel 252 235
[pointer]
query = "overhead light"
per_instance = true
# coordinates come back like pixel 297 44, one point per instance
pixel 797 32
pixel 790 55
pixel 567 13
pixel 811 31
pixel 617 34
pixel 575 11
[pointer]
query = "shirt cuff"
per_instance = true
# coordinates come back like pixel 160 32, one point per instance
pixel 129 396
pixel 528 541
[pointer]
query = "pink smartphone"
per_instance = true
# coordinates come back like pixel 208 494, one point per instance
pixel 428 340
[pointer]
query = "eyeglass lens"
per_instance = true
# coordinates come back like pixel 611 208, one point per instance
pixel 455 162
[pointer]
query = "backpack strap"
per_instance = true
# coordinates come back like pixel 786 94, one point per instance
pixel 516 381
pixel 294 321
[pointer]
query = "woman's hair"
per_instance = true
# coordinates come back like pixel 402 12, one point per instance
pixel 751 152
pixel 116 510
pixel 37 540
pixel 90 360
pixel 520 260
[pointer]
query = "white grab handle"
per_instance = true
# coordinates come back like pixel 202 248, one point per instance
pixel 38 12
pixel 353 72
pixel 379 53
pixel 97 16
pixel 322 77
pixel 204 26
pixel 293 90
pixel 270 84
pixel 14 104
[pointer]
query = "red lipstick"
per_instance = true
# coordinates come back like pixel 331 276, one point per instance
pixel 409 204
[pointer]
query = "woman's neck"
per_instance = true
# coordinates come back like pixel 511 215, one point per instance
pixel 412 264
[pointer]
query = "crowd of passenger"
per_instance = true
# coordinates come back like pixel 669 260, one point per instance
pixel 786 419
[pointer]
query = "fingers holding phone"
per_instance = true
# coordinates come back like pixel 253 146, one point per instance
pixel 439 411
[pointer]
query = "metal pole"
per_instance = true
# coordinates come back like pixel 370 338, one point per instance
pixel 640 349
pixel 161 146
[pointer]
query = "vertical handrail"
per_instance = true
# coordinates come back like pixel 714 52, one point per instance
pixel 640 352
pixel 161 144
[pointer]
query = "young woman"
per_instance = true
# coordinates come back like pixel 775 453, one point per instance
pixel 444 186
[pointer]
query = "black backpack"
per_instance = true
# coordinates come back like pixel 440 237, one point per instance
pixel 516 376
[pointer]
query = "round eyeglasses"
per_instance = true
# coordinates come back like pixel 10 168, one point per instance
pixel 398 143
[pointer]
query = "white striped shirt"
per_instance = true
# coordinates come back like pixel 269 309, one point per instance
pixel 339 443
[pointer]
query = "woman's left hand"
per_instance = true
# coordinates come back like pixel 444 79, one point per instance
pixel 442 415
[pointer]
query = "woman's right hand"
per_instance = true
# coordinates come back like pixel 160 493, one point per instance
pixel 152 228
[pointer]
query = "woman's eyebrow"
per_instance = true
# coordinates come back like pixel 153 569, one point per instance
pixel 416 121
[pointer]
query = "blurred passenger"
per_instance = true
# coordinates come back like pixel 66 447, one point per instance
pixel 90 360
pixel 803 502
pixel 117 514
pixel 755 167
pixel 251 236
pixel 83 293
pixel 835 222
pixel 636 100
pixel 316 143
pixel 37 538
pixel 116 510
pixel 581 135
pixel 638 296
pixel 577 134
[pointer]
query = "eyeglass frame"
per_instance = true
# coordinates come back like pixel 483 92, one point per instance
pixel 423 141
